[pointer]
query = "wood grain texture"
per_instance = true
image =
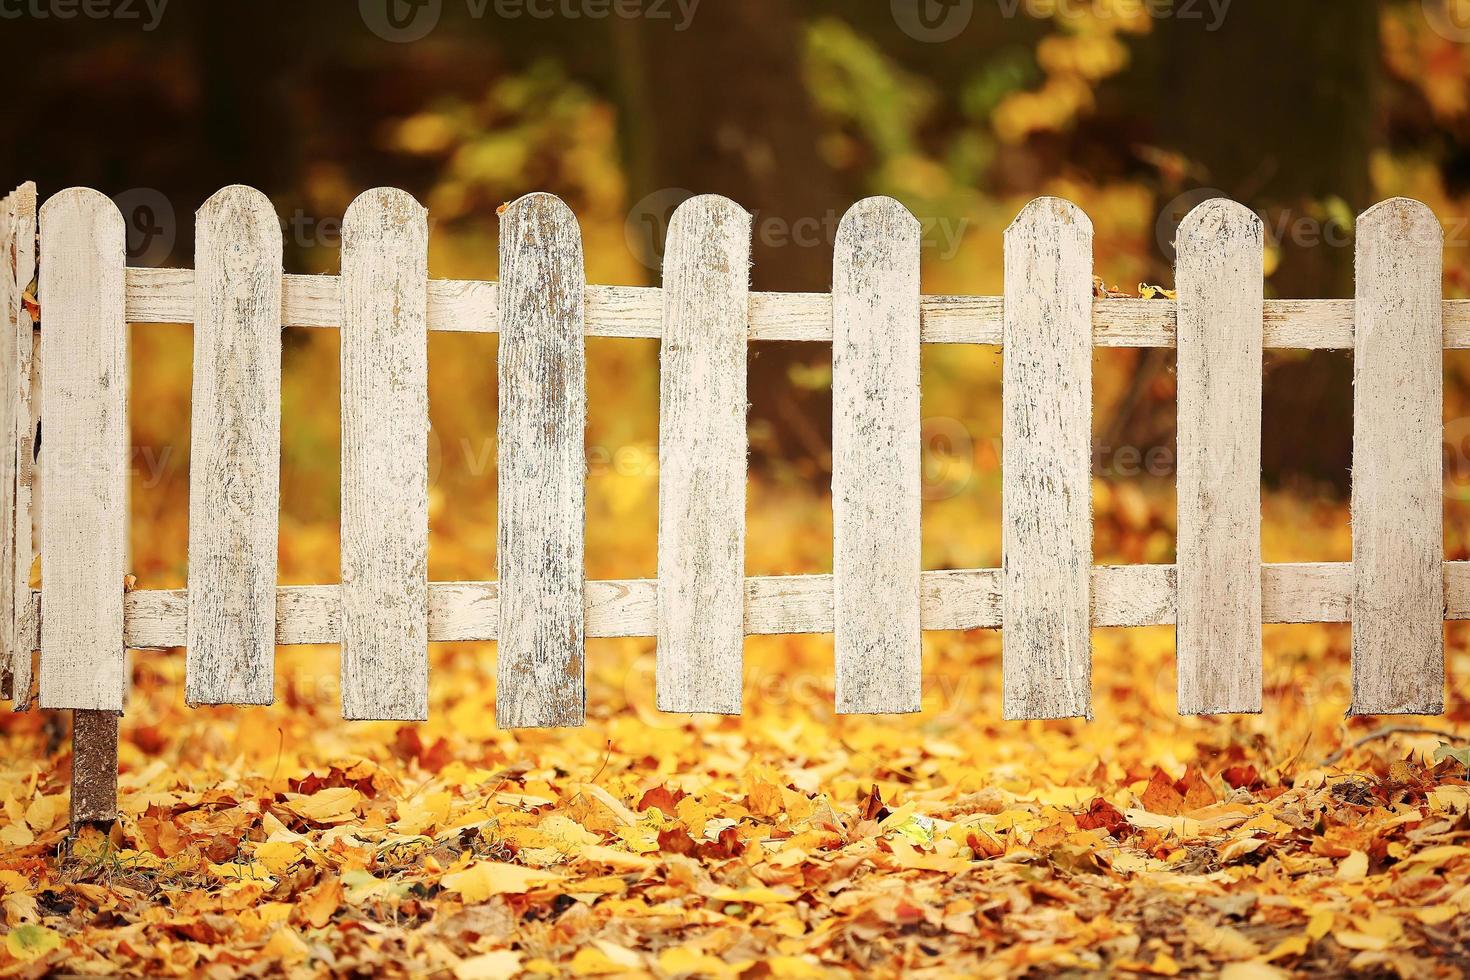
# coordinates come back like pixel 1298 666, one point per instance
pixel 27 417
pixel 470 306
pixel 10 311
pixel 385 459
pixel 1220 249
pixel 956 599
pixel 85 403
pixel 234 464
pixel 19 260
pixel 1398 428
pixel 543 420
pixel 93 768
pixel 701 452
pixel 1046 466
pixel 876 481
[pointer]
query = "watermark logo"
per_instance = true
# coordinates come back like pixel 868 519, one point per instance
pixel 1450 19
pixel 151 225
pixel 401 21
pixel 646 229
pixel 1211 12
pixel 406 21
pixel 932 21
pixel 1172 215
pixel 147 13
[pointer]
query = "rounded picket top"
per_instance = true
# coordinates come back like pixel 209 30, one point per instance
pixel 1055 211
pixel 1216 220
pixel 1402 218
pixel 881 217
pixel 91 214
pixel 245 216
pixel 542 207
pixel 709 210
pixel 387 214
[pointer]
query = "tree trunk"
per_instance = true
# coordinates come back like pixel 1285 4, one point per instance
pixel 1275 106
pixel 720 107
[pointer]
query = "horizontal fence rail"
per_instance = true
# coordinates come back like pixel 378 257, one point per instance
pixel 471 306
pixel 1047 595
pixel 962 599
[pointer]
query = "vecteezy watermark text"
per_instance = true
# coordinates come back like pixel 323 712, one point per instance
pixel 647 227
pixel 149 13
pixel 406 21
pixel 937 21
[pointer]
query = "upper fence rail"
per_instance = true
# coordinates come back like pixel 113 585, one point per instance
pixel 471 306
pixel 1047 595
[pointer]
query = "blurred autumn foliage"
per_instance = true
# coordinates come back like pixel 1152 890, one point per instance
pixel 787 841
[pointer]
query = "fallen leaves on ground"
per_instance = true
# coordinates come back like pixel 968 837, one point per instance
pixel 785 842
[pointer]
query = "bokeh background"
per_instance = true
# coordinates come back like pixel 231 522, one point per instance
pixel 1306 111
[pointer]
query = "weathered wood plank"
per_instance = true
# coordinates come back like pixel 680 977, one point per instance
pixel 385 452
pixel 1397 502
pixel 85 404
pixel 27 414
pixel 543 419
pixel 10 313
pixel 876 482
pixel 469 306
pixel 1218 638
pixel 959 599
pixel 18 257
pixel 1047 463
pixel 234 466
pixel 702 445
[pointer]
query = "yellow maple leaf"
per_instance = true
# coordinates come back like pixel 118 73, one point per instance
pixel 499 965
pixel 277 856
pixel 286 946
pixel 755 895
pixel 482 879
pixel 335 805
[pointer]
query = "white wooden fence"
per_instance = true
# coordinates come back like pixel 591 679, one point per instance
pixel 1397 591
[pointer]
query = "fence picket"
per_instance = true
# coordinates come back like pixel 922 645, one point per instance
pixel 19 260
pixel 1046 466
pixel 876 489
pixel 702 445
pixel 84 463
pixel 1218 637
pixel 10 311
pixel 27 350
pixel 542 501
pixel 1397 507
pixel 385 452
pixel 234 468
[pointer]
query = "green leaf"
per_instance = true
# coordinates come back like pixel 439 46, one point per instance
pixel 28 942
pixel 1460 755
